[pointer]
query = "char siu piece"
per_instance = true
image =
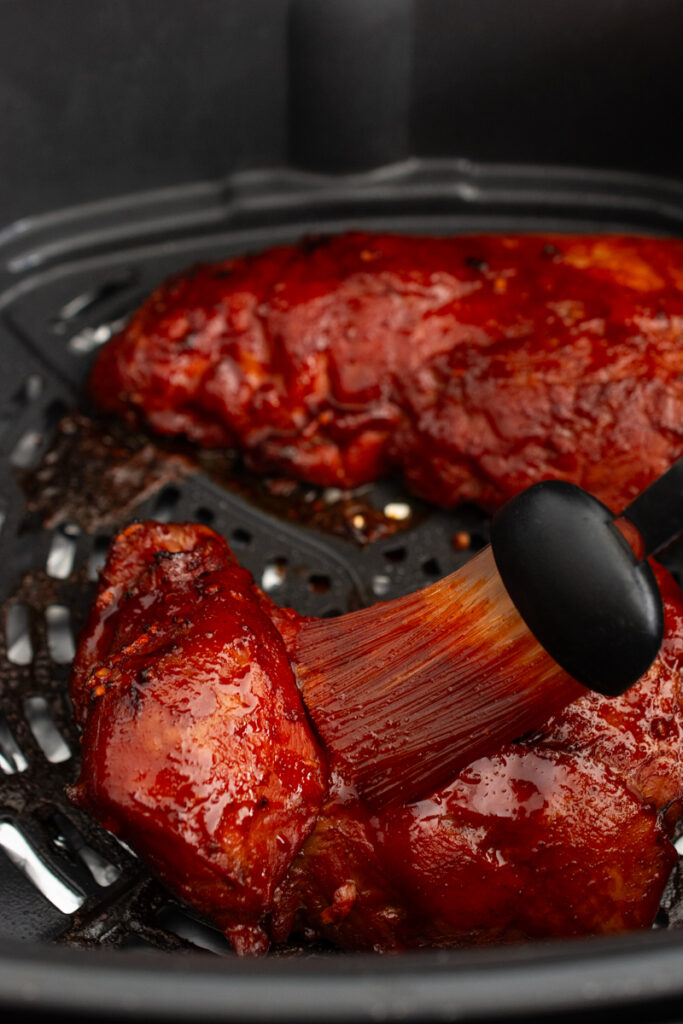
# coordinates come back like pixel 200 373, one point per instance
pixel 198 753
pixel 472 366
pixel 196 748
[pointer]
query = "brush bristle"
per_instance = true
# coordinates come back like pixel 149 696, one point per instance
pixel 406 693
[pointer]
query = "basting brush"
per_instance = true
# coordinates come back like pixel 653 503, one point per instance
pixel 408 692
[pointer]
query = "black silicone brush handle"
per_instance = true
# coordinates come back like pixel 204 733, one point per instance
pixel 583 593
pixel 588 599
pixel 657 513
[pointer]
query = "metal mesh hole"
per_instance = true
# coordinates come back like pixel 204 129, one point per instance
pixel 44 730
pixel 165 505
pixel 204 515
pixel 319 583
pixel 274 574
pixel 12 759
pixel 662 919
pixel 60 638
pixel 28 448
pixel 24 857
pixel 18 635
pixel 91 338
pixel 26 451
pixel 381 584
pixel 179 923
pixel 430 567
pixel 98 556
pixel 67 838
pixel 88 301
pixel 60 559
pixel 241 538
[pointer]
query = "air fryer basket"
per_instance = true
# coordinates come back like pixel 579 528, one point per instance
pixel 66 886
pixel 109 99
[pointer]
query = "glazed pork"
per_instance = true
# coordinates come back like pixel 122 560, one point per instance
pixel 472 366
pixel 197 751
pixel 196 746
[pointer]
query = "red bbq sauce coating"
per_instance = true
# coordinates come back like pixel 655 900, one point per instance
pixel 473 366
pixel 197 752
pixel 566 833
pixel 196 748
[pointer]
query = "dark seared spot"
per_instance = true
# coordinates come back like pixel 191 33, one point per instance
pixel 135 699
pixel 660 728
pixel 477 264
pixel 550 251
pixel 161 556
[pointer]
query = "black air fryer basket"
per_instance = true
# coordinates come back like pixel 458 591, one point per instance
pixel 141 138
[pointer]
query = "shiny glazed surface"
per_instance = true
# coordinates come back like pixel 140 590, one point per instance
pixel 473 366
pixel 196 750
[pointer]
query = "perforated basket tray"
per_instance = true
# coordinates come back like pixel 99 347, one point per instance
pixel 67 281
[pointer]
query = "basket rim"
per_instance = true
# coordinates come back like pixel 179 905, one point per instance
pixel 637 969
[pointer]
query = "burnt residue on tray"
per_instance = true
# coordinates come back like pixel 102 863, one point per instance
pixel 96 471
pixel 352 514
